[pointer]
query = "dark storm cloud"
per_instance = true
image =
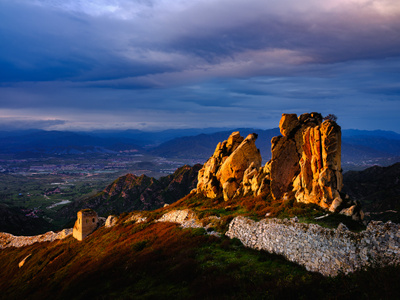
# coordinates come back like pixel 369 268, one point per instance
pixel 50 42
pixel 188 61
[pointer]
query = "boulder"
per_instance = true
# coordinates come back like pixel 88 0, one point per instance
pixel 288 123
pixel 284 165
pixel 229 188
pixel 238 162
pixel 230 160
pixel 111 221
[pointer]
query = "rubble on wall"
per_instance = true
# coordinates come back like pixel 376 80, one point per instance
pixel 318 249
pixel 9 240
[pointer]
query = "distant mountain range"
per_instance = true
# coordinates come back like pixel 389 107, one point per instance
pixel 202 146
pixel 360 148
pixel 61 142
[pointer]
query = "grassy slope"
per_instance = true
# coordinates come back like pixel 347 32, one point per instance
pixel 163 261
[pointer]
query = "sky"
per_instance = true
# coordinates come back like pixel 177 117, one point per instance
pixel 161 64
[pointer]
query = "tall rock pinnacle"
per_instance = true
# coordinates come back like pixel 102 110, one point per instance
pixel 306 160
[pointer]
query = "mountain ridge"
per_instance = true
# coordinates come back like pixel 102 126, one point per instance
pixel 131 192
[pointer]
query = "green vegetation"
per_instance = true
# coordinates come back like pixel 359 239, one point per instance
pixel 259 207
pixel 40 186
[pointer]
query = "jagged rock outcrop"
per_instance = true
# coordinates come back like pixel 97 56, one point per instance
pixel 305 165
pixel 223 173
pixel 111 221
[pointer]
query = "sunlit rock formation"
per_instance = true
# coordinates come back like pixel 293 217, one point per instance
pixel 305 165
pixel 224 171
pixel 306 160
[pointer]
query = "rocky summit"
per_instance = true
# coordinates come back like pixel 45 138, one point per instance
pixel 305 165
pixel 223 173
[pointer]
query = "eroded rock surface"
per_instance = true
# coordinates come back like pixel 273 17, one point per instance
pixel 111 221
pixel 305 165
pixel 223 172
pixel 319 249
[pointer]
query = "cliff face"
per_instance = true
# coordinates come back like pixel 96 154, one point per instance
pixel 305 165
pixel 306 160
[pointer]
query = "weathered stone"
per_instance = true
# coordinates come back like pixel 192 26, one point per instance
pixel 288 123
pixel 335 204
pixel 111 221
pixel 22 262
pixel 229 188
pixel 231 159
pixel 188 219
pixel 185 217
pixel 305 164
pixel 284 166
pixel 306 160
pixel 319 249
pixel 138 218
pixel 237 163
pixel 9 240
pixel 348 211
pixel 86 223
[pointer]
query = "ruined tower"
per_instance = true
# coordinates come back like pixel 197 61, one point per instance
pixel 87 222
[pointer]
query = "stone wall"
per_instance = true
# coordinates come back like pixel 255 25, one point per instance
pixel 318 249
pixel 188 219
pixel 184 217
pixel 9 240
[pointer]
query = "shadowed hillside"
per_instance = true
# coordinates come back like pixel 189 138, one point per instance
pixel 131 192
pixel 378 189
pixel 14 220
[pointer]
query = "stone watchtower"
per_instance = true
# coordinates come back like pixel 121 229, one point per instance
pixel 86 223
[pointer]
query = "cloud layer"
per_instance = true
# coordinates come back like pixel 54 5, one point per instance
pixel 199 63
